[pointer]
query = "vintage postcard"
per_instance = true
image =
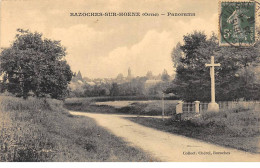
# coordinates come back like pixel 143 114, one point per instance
pixel 129 81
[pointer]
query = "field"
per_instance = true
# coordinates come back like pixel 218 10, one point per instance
pixel 138 107
pixel 41 130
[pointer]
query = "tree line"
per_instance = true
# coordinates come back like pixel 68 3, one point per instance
pixel 35 66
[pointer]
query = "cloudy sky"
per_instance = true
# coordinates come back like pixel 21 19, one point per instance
pixel 106 46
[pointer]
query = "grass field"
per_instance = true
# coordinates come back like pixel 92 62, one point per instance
pixel 124 98
pixel 41 130
pixel 236 129
pixel 151 107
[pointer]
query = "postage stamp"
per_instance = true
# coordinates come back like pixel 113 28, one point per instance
pixel 237 26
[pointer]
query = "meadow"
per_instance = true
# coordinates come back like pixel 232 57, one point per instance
pixel 236 128
pixel 36 130
pixel 138 107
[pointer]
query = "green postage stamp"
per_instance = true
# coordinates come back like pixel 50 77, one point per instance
pixel 237 23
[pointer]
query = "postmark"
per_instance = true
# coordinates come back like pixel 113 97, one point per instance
pixel 237 23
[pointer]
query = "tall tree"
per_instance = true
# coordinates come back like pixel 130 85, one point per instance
pixel 192 80
pixel 165 76
pixel 176 55
pixel 114 91
pixel 35 64
pixel 149 75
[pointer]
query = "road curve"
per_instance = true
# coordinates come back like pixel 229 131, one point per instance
pixel 165 146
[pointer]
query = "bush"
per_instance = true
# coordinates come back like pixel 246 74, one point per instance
pixel 242 123
pixel 213 115
pixel 22 138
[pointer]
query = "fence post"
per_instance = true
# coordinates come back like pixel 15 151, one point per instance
pixel 197 106
pixel 163 106
pixel 179 107
pixel 179 110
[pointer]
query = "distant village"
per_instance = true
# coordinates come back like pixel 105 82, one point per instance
pixel 121 85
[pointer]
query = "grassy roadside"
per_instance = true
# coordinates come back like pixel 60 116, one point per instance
pixel 39 130
pixel 235 129
pixel 153 107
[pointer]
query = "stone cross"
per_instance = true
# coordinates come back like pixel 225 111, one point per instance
pixel 213 106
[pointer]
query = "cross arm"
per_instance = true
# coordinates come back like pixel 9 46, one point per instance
pixel 212 65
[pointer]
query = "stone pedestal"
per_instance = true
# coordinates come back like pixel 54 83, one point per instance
pixel 179 107
pixel 213 107
pixel 197 106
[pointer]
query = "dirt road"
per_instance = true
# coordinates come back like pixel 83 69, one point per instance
pixel 165 146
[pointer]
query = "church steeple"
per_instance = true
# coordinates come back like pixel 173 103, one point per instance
pixel 79 76
pixel 129 76
pixel 129 72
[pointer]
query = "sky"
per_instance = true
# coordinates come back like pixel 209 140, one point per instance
pixel 103 47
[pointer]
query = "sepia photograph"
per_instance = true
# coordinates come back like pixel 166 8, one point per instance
pixel 143 81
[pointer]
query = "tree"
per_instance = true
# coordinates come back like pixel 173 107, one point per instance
pixel 233 81
pixel 236 78
pixel 114 91
pixel 165 76
pixel 33 64
pixel 149 75
pixel 176 55
pixel 191 79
